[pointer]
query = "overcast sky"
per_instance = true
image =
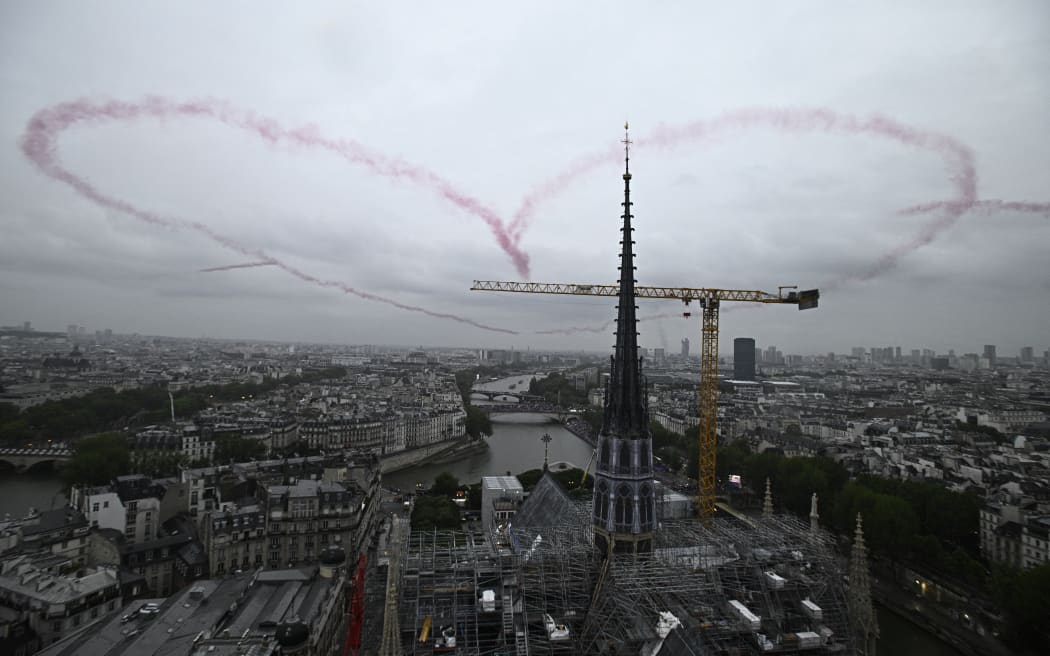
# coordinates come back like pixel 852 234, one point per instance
pixel 757 164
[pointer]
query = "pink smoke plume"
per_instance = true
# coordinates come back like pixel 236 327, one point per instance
pixel 231 267
pixel 39 145
pixel 987 206
pixel 956 156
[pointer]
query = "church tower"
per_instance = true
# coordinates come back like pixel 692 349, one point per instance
pixel 624 514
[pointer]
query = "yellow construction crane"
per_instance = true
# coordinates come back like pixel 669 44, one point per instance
pixel 710 300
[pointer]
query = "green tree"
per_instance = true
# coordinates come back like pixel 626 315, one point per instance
pixel 8 412
pixel 1025 596
pixel 594 418
pixel 234 448
pixel 97 460
pixel 731 459
pixel 529 478
pixel 478 423
pixel 434 512
pixel 474 497
pixel 445 485
pixel 157 466
pixel 556 388
pixel 16 432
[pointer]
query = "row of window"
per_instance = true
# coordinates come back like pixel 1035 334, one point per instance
pixel 149 555
pixel 275 527
pixel 75 620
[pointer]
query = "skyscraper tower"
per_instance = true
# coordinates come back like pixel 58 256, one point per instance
pixel 624 503
pixel 744 358
pixel 989 352
pixel 685 347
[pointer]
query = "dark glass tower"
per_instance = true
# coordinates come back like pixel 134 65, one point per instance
pixel 624 504
pixel 744 358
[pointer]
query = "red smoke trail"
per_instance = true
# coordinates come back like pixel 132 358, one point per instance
pixel 231 267
pixel 984 206
pixel 557 185
pixel 956 156
pixel 39 145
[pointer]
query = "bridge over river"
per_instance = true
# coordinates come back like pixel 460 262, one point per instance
pixel 540 407
pixel 24 459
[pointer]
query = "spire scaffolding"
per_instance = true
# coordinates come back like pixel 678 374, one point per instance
pixel 861 611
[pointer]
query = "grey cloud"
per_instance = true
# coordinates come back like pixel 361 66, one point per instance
pixel 497 99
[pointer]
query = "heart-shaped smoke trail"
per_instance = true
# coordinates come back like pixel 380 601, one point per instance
pixel 40 145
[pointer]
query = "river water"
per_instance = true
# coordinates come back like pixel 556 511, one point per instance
pixel 19 492
pixel 515 446
pixel 510 384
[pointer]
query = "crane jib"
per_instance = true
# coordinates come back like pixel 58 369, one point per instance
pixel 806 299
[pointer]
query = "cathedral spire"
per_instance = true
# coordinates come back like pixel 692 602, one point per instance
pixel 624 512
pixel 625 412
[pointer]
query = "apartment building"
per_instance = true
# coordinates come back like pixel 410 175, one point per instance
pixel 134 504
pixel 54 604
pixel 234 538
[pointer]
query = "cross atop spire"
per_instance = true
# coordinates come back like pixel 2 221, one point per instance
pixel 626 151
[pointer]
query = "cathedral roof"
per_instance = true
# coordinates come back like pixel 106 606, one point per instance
pixel 549 504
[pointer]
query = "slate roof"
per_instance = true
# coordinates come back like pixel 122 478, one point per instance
pixel 550 505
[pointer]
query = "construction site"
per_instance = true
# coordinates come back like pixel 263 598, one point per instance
pixel 612 575
pixel 769 585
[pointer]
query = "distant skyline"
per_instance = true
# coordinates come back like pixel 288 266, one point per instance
pixel 860 149
pixel 725 349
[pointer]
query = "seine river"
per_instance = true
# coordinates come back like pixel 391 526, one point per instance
pixel 19 492
pixel 515 446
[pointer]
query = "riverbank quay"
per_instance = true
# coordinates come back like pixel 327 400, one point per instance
pixel 944 620
pixel 430 454
pixel 581 429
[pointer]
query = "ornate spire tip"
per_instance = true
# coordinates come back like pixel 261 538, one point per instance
pixel 626 151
